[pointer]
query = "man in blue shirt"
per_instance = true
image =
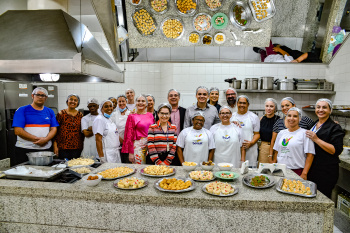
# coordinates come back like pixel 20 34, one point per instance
pixel 35 125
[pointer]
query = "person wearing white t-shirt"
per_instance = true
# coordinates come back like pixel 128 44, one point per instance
pixel 130 95
pixel 250 125
pixel 228 140
pixel 293 147
pixel 195 144
pixel 89 150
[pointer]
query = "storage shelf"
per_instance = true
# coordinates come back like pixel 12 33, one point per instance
pixel 335 112
pixel 291 92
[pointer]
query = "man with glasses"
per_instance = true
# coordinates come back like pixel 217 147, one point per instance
pixel 231 96
pixel 178 113
pixel 209 111
pixel 35 125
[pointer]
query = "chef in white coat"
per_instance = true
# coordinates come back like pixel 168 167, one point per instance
pixel 195 143
pixel 89 150
pixel 250 125
pixel 106 134
pixel 228 139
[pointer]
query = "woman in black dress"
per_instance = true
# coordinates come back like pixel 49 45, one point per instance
pixel 328 138
pixel 266 126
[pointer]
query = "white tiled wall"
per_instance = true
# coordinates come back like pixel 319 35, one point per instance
pixel 158 78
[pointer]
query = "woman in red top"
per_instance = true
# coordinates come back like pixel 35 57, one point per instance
pixel 162 138
pixel 69 139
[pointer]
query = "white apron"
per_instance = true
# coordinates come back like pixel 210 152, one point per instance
pixel 90 150
pixel 227 146
pixel 247 134
pixel 111 143
pixel 196 146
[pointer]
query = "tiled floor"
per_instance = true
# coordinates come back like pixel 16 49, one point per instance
pixel 341 222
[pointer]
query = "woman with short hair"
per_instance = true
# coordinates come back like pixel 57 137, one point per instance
pixel 69 139
pixel 136 132
pixel 214 97
pixel 292 147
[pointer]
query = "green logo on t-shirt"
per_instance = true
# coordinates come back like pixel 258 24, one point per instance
pixel 286 141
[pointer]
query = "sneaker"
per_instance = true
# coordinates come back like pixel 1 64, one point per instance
pixel 257 50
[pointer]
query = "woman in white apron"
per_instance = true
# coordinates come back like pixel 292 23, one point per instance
pixel 250 130
pixel 106 134
pixel 227 138
pixel 195 144
pixel 119 117
pixel 90 150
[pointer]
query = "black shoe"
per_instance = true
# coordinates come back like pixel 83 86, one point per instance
pixel 257 50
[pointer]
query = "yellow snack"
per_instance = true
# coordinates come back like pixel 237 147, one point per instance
pixel 194 38
pixel 144 22
pixel 174 184
pixel 295 187
pixel 189 163
pixel 186 5
pixel 82 170
pixel 80 161
pixel 132 182
pixel 115 172
pixel 158 170
pixel 172 28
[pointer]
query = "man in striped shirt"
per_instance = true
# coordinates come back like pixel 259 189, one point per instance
pixel 35 125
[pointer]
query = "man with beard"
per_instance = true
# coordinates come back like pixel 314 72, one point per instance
pixel 35 125
pixel 209 111
pixel 231 95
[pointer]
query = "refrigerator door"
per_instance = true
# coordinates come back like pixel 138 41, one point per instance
pixel 17 94
pixel 3 142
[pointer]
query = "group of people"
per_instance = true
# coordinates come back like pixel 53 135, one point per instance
pixel 130 130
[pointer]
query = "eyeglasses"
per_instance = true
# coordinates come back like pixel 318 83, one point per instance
pixel 40 95
pixel 173 95
pixel 164 114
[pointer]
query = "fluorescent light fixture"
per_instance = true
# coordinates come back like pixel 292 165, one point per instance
pixel 49 77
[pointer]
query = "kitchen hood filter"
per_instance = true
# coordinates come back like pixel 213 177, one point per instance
pixel 51 41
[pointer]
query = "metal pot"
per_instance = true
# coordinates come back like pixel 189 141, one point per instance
pixel 266 83
pixel 41 158
pixel 251 83
pixel 237 84
pixel 285 84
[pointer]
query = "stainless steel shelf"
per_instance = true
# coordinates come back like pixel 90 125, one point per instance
pixel 291 92
pixel 335 112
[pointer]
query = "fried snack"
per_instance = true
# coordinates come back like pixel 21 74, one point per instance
pixel 294 186
pixel 209 163
pixel 80 161
pixel 172 28
pixel 115 172
pixel 159 5
pixel 144 22
pixel 219 38
pixel 131 183
pixel 189 163
pixel 207 40
pixel 186 5
pixel 82 170
pixel 260 8
pixel 158 170
pixel 218 188
pixel 201 175
pixel 135 1
pixel 213 4
pixel 174 184
pixel 194 38
pixel 92 178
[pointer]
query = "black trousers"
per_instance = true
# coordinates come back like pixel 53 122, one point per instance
pixel 69 154
pixel 162 157
pixel 21 155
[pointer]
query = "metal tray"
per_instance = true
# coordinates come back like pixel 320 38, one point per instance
pixel 189 13
pixel 154 21
pixel 115 184
pixel 118 176
pixel 221 195
pixel 194 26
pixel 193 186
pixel 247 179
pixel 202 180
pixel 246 14
pixel 312 185
pixel 157 176
pixel 271 10
pixel 80 174
pixel 213 9
pixel 76 166
pixel 176 18
pixel 38 178
pixel 160 12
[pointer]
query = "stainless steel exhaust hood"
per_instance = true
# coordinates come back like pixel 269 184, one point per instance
pixel 51 41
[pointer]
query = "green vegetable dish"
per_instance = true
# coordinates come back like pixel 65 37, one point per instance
pixel 260 181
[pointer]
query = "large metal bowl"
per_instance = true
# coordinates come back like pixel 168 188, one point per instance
pixel 41 158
